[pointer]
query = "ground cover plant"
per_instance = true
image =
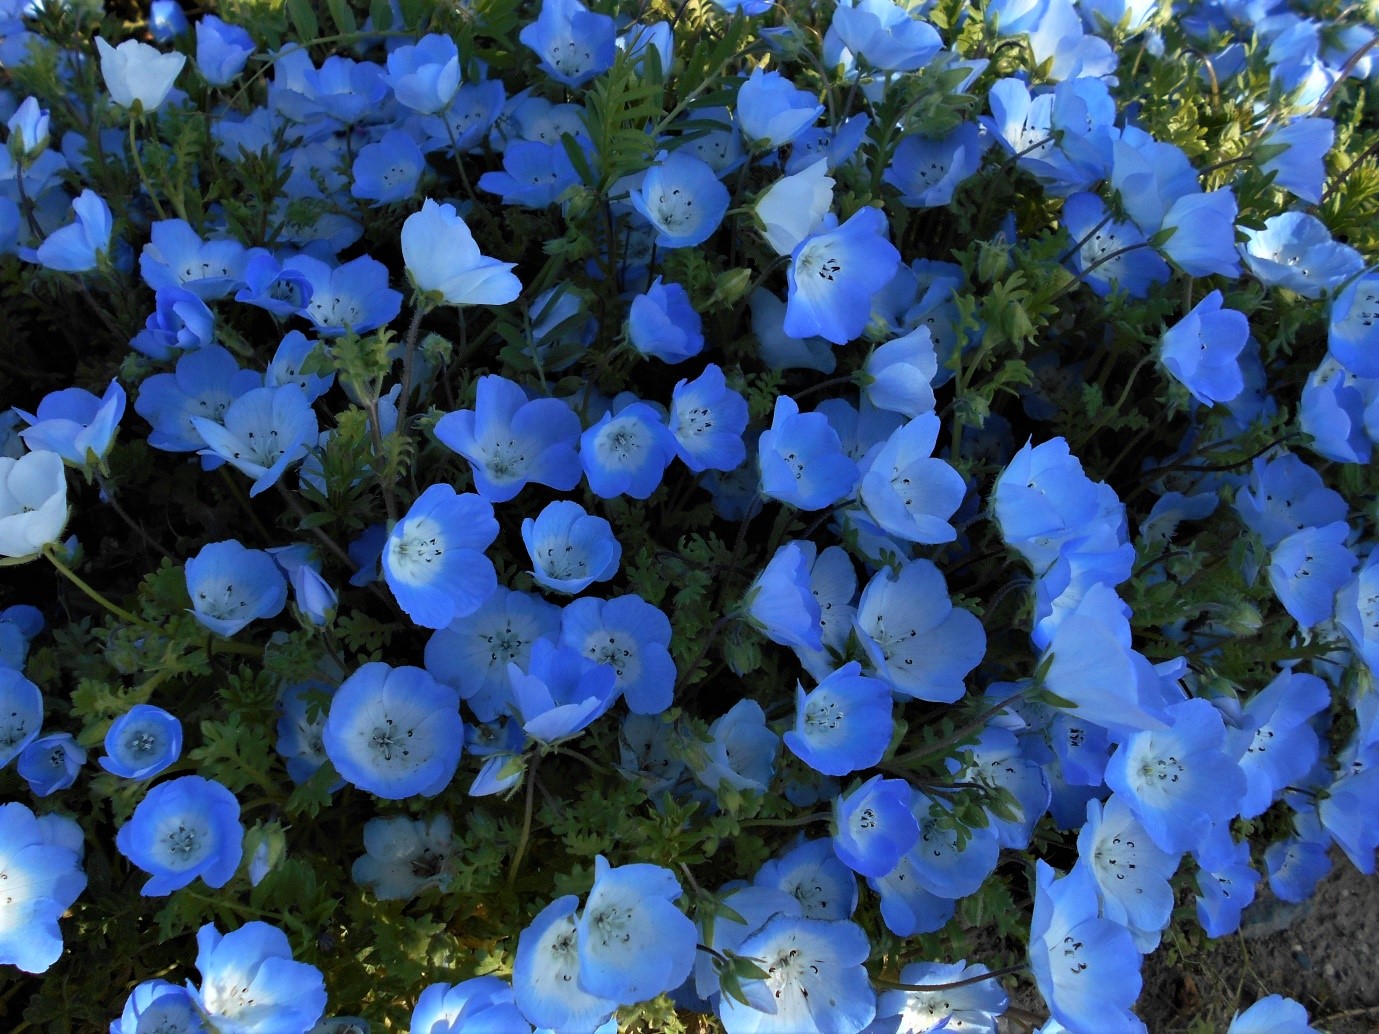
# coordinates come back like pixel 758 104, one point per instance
pixel 770 517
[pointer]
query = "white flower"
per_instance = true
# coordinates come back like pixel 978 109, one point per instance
pixel 33 503
pixel 794 207
pixel 134 71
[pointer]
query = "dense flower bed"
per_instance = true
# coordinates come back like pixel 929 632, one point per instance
pixel 667 516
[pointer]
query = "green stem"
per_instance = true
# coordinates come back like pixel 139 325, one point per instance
pixel 139 168
pixel 525 836
pixel 50 552
pixel 995 974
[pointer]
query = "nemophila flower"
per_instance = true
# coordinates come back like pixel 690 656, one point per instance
pixel 943 861
pixel 771 111
pixel 813 875
pixel 142 742
pixel 816 979
pixel 1202 351
pixel 159 1006
pixel 1225 883
pixel 286 367
pixel 136 73
pixel 780 601
pixel 466 120
pixel 1353 332
pixel 28 128
pixel 1149 175
pixel 314 597
pixel 75 424
pixel 394 732
pixel 997 761
pixel 250 983
pixel 425 75
pixel 835 144
pixel 883 35
pixel 909 492
pixel 633 942
pixel 573 43
pixel 405 856
pixel 1295 866
pixel 441 257
pixel 222 49
pixel 779 350
pixel 184 828
pixel 1275 745
pixel 354 296
pixel 741 751
pixel 1346 813
pixel 511 440
pixel 707 420
pixel 472 653
pixel 1132 874
pixel 177 256
pixel 794 207
pixel 51 763
pixel 534 174
pixel 560 692
pixel 1201 229
pixel 547 972
pixel 389 170
pixel 833 584
pixel 843 724
pixel 480 1003
pixel 203 384
pixel 873 826
pixel 664 323
pixel 19 624
pixel 834 275
pixel 1285 495
pixel 302 712
pixel 928 172
pixel 570 548
pixel 180 321
pixel 79 246
pixel 1357 611
pixel 1065 158
pixel 33 503
pixel 914 637
pixel 898 376
pixel 1297 151
pixel 40 878
pixel 745 908
pixel 972 1009
pixel 802 460
pixel 630 636
pixel 231 585
pixel 1110 255
pixel 262 433
pixel 1179 781
pixel 1308 568
pixel 1086 967
pixel 1043 499
pixel 434 560
pixel 1295 250
pixel 1333 413
pixel 21 713
pixel 626 453
pixel 682 198
pixel 1272 1015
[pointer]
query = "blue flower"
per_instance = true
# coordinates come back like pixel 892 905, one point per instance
pixel 834 276
pixel 1353 331
pixel 771 111
pixel 179 321
pixel 751 906
pixel 286 367
pixel 1110 255
pixel 1295 866
pixel 425 75
pixel 664 323
pixel 626 453
pixel 843 724
pixel 142 742
pixel 1043 500
pixel 802 459
pixel 231 585
pixel 1131 873
pixel 1295 250
pixel 1285 495
pixel 884 35
pixel 1272 1015
pixel 1225 882
pixel 1333 413
pixel 262 433
pixel 570 548
pixel 633 943
pixel 741 751
pixel 534 175
pixel 780 600
pixel 269 286
pixel 1298 161
pixel 40 858
pixel 434 558
pixel 795 206
pixel 480 1003
pixel 573 43
pixel 467 119
pixel 182 829
pixel 389 170
pixel 442 258
pixel 21 713
pixel 405 856
pixel 354 296
pixel 177 256
pixel 546 972
pixel 250 983
pixel 203 384
pixel 914 637
pixel 817 979
pixel 156 1003
pixel 909 492
pixel 1275 744
pixel 1201 231
pixel 472 653
pixel 561 691
pixel 682 198
pixel 707 420
pixel 221 49
pixel 51 763
pixel 302 712
pixel 630 636
pixel 928 172
pixel 1086 967
pixel 79 246
pixel 873 826
pixel 394 732
pixel 75 424
pixel 813 875
pixel 1308 568
pixel 1202 351
pixel 974 1008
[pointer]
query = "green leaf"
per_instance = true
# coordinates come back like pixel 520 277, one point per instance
pixel 303 19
